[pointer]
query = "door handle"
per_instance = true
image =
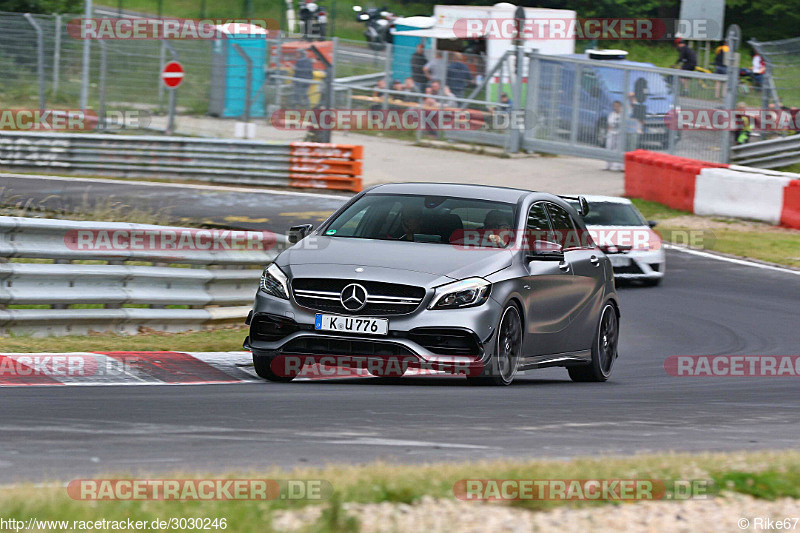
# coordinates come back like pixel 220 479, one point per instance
pixel 563 265
pixel 594 260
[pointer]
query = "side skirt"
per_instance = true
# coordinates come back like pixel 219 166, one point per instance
pixel 559 359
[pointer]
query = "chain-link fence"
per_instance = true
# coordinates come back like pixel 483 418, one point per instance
pixel 38 54
pixel 594 108
pixel 781 81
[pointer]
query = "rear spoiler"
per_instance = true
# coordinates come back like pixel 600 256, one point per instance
pixel 583 205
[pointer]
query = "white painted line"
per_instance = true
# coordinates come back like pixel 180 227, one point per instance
pixel 733 260
pixel 373 441
pixel 175 184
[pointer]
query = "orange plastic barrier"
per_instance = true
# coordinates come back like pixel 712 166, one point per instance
pixel 663 178
pixel 325 166
pixel 790 214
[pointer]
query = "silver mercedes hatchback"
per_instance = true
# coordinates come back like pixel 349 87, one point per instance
pixel 468 279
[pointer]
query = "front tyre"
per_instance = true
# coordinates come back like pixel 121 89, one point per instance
pixel 604 349
pixel 508 346
pixel 263 367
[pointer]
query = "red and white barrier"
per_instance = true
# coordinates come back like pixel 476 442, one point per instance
pixel 714 188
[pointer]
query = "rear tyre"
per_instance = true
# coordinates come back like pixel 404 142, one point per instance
pixel 263 367
pixel 508 346
pixel 604 349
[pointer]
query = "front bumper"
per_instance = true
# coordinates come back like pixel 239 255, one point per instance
pixel 640 264
pixel 411 336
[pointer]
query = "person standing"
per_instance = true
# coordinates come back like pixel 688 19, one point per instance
pixel 759 69
pixel 303 74
pixel 613 124
pixel 687 60
pixel 458 74
pixel 435 69
pixel 720 65
pixel 418 62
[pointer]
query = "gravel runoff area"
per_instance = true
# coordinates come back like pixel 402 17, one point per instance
pixel 731 512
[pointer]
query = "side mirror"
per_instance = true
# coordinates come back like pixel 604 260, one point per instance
pixel 546 251
pixel 584 206
pixel 652 223
pixel 298 233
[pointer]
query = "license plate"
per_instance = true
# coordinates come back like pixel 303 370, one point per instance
pixel 619 261
pixel 352 324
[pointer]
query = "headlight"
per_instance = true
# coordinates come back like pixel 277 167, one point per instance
pixel 275 282
pixel 465 293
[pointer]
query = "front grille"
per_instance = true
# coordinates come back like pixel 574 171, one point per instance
pixel 446 341
pixel 328 346
pixel 632 268
pixel 383 298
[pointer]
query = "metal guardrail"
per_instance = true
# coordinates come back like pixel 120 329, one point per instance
pixel 118 296
pixel 295 164
pixel 771 153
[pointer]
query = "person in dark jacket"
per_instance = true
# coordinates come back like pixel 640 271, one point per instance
pixel 458 74
pixel 418 62
pixel 303 70
pixel 687 60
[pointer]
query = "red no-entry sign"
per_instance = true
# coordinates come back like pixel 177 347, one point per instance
pixel 172 75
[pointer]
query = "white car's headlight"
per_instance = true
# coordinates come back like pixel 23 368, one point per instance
pixel 465 293
pixel 274 282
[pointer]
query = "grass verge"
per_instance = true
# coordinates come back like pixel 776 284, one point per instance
pixel 763 475
pixel 217 340
pixel 742 238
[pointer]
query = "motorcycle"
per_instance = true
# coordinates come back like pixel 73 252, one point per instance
pixel 379 23
pixel 314 20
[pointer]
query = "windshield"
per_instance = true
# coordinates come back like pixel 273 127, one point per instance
pixel 428 219
pixel 613 214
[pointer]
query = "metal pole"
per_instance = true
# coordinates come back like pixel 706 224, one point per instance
pixel 57 56
pixel 85 72
pixel 162 60
pixel 101 110
pixel 733 38
pixel 387 76
pixel 171 119
pixel 39 57
pixel 516 104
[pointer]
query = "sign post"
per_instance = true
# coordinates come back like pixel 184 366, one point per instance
pixel 172 76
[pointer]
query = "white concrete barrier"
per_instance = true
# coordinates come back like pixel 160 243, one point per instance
pixel 725 192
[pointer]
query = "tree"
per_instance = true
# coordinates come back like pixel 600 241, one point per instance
pixel 42 6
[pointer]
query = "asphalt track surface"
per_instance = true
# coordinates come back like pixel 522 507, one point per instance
pixel 235 207
pixel 705 307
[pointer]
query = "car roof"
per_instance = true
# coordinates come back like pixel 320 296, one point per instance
pixel 480 192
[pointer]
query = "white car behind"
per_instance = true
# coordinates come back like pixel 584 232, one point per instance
pixel 619 229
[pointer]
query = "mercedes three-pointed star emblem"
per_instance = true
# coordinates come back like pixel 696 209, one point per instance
pixel 354 297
